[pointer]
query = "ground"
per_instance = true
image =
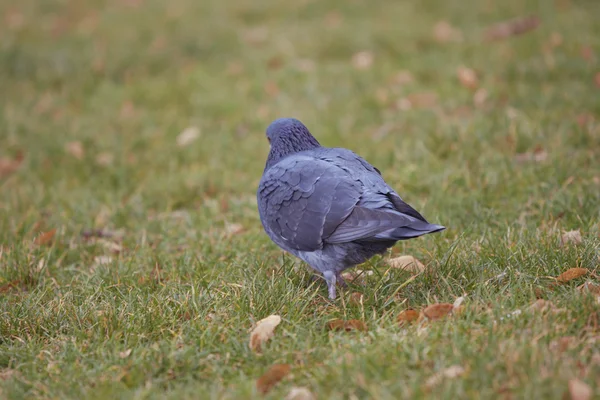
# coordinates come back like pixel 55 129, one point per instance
pixel 133 263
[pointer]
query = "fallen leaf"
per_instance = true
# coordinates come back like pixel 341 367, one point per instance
pixel 417 100
pixel 407 317
pixel 5 288
pixel 75 149
pixel 273 375
pixel 579 390
pixel 10 165
pixel 362 60
pixel 537 155
pixel 300 393
pixel 187 136
pixel 451 372
pixel 589 287
pixel 438 311
pixel 570 274
pixel 350 325
pixel 541 305
pixel 233 229
pixel 467 77
pixel 403 77
pixel 513 27
pixel 356 298
pixel 444 32
pixel 407 263
pixel 571 237
pixel 45 238
pixel 104 159
pixel 480 97
pixel 125 354
pixel 356 276
pixel 263 331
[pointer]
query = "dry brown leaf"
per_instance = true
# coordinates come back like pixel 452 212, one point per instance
pixel 125 354
pixel 233 229
pixel 403 77
pixel 263 331
pixel 104 159
pixel 513 27
pixel 356 276
pixel 407 316
pixel 75 149
pixel 407 263
pixel 273 375
pixel 356 298
pixel 45 238
pixel 571 237
pixel 438 311
pixel 10 165
pixel 451 372
pixel 537 155
pixel 418 100
pixel 5 288
pixel 467 77
pixel 444 32
pixel 480 97
pixel 589 287
pixel 363 60
pixel 187 136
pixel 579 390
pixel 571 273
pixel 350 325
pixel 300 393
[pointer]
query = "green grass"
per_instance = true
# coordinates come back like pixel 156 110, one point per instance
pixel 125 78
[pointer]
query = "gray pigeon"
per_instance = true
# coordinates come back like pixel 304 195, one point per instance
pixel 328 206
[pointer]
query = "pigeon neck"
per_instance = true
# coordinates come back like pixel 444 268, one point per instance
pixel 285 146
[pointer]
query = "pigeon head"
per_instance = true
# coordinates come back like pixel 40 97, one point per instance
pixel 288 136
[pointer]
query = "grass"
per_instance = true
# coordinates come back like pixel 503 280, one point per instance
pixel 168 315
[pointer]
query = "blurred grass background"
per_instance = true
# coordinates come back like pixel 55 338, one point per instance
pixel 95 95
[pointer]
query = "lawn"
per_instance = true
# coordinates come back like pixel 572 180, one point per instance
pixel 132 260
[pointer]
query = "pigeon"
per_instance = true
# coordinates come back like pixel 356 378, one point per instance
pixel 328 206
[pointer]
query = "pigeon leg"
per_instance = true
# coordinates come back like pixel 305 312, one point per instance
pixel 330 279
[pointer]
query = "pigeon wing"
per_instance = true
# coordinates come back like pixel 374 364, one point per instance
pixel 303 200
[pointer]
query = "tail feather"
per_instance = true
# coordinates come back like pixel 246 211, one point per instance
pixel 409 232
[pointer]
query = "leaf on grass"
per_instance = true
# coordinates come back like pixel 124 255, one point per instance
pixel 407 317
pixel 417 100
pixel 233 229
pixel 589 287
pixel 444 32
pixel 517 26
pixel 356 276
pixel 571 237
pixel 451 372
pixel 362 60
pixel 45 238
pixel 438 311
pixel 579 390
pixel 407 263
pixel 542 306
pixel 125 354
pixel 10 165
pixel 457 307
pixel 263 331
pixel 467 77
pixel 187 136
pixel 350 325
pixel 6 287
pixel 356 298
pixel 570 274
pixel 300 393
pixel 273 375
pixel 75 149
pixel 537 155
